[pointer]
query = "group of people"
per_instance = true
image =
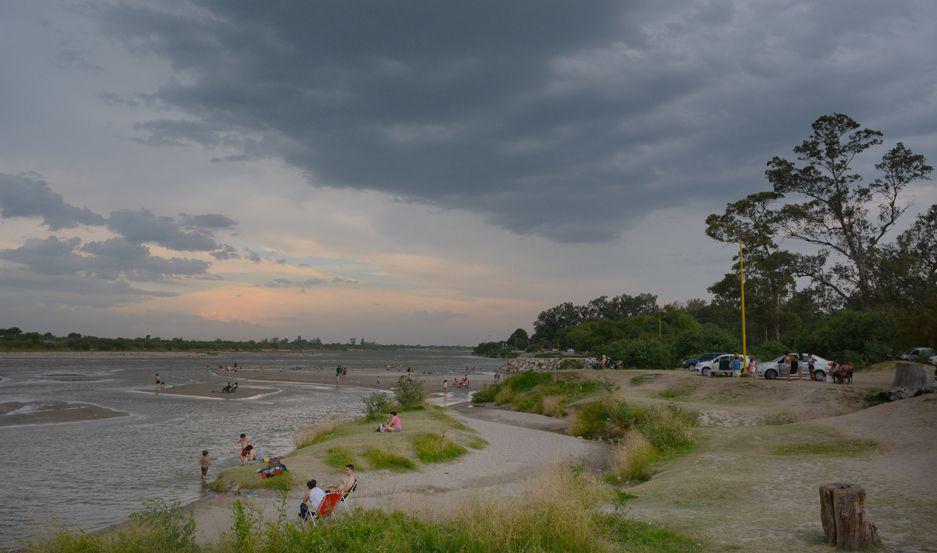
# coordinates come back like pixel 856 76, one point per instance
pixel 229 389
pixel 315 495
pixel 340 372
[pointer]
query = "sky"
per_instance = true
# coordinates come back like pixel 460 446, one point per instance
pixel 410 172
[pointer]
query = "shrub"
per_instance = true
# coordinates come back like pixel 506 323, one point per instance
pixel 169 528
pixel 376 406
pixel 435 448
pixel 770 349
pixel 631 459
pixel 383 459
pixel 667 429
pixel 409 392
pixel 645 352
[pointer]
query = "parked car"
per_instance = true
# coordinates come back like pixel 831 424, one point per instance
pixel 690 364
pixel 933 360
pixel 777 367
pixel 915 354
pixel 722 364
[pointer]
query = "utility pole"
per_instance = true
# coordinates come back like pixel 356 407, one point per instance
pixel 742 284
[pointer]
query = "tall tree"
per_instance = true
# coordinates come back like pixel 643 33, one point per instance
pixel 906 271
pixel 769 270
pixel 829 207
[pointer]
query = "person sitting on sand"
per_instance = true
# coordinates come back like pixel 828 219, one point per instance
pixel 347 483
pixel 204 462
pixel 312 499
pixel 393 425
pixel 226 389
pixel 234 388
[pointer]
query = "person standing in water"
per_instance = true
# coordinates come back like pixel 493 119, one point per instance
pixel 204 462
pixel 159 383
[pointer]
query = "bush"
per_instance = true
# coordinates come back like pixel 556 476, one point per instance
pixel 770 349
pixel 631 459
pixel 641 353
pixel 377 406
pixel 436 448
pixel 667 429
pixel 409 392
pixel 338 457
pixel 169 528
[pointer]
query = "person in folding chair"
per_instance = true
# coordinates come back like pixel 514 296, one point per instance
pixel 346 487
pixel 311 501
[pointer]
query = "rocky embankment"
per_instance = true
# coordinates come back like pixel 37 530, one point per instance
pixel 525 364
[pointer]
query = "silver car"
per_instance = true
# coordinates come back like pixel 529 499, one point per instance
pixel 778 367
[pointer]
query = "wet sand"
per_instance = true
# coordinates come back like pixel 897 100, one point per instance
pixel 213 391
pixel 46 412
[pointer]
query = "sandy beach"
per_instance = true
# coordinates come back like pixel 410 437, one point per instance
pixel 14 413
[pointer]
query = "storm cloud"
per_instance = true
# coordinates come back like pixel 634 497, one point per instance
pixel 562 119
pixel 28 196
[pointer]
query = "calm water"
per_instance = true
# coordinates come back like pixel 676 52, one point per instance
pixel 92 474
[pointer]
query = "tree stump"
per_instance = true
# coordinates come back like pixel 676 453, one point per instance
pixel 845 521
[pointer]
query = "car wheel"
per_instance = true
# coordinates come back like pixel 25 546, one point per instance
pixel 819 376
pixel 771 374
pixel 706 371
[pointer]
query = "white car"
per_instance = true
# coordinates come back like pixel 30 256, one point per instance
pixel 777 367
pixel 933 360
pixel 718 365
pixel 916 354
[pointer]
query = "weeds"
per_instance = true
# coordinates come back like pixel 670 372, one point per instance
pixel 540 392
pixel 632 457
pixel 383 459
pixel 316 434
pixel 338 457
pixel 643 379
pixel 376 406
pixel 436 448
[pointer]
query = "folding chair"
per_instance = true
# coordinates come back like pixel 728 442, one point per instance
pixel 329 502
pixel 345 497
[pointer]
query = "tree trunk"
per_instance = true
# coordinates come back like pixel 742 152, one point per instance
pixel 911 379
pixel 845 521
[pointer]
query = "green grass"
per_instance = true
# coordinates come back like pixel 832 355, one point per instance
pixel 382 459
pixel 643 379
pixel 846 447
pixel 641 537
pixel 338 457
pixel 435 448
pixel 544 393
pixel 246 477
pixel 476 442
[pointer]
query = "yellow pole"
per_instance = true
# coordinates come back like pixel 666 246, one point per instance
pixel 742 283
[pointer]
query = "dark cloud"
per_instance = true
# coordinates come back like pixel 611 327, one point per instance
pixel 28 196
pixel 563 119
pixel 210 221
pixel 36 294
pixel 226 252
pixel 143 226
pixel 116 259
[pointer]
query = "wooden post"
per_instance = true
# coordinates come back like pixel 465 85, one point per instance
pixel 845 521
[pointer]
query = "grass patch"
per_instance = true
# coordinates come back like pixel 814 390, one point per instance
pixel 846 447
pixel 383 459
pixel 435 448
pixel 676 392
pixel 621 497
pixel 476 442
pixel 641 537
pixel 246 478
pixel 632 457
pixel 643 379
pixel 338 457
pixel 875 397
pixel 316 434
pixel 544 393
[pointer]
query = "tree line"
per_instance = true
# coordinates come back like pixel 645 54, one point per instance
pixel 821 272
pixel 15 339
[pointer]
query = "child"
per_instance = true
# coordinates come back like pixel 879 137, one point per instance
pixel 204 463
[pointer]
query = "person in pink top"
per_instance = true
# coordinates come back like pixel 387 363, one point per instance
pixel 394 425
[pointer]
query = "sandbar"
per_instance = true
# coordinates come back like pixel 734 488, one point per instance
pixel 214 391
pixel 14 413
